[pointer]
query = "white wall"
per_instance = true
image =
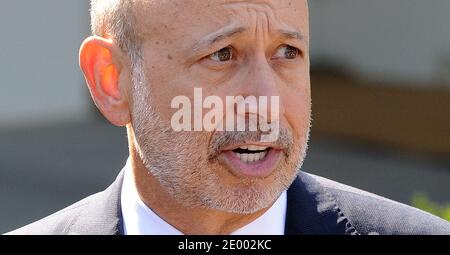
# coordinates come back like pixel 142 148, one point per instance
pixel 383 39
pixel 40 81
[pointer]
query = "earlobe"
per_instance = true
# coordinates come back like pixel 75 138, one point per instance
pixel 102 69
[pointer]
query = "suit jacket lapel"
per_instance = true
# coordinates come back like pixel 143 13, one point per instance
pixel 311 210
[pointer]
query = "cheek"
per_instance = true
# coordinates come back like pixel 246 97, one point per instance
pixel 167 78
pixel 297 105
pixel 164 88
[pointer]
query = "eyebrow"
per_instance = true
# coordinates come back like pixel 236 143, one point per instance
pixel 291 34
pixel 231 31
pixel 217 36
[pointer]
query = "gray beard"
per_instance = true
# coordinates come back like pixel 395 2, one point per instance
pixel 172 159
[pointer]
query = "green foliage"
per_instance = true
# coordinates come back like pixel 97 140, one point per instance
pixel 421 201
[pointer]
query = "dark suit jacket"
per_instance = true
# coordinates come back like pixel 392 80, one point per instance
pixel 315 206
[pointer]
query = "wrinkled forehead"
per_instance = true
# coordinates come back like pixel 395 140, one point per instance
pixel 178 18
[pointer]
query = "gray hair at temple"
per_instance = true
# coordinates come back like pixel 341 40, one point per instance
pixel 115 19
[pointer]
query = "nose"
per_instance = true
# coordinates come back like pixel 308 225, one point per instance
pixel 260 81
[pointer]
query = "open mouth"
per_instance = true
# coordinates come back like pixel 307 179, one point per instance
pixel 251 153
pixel 251 160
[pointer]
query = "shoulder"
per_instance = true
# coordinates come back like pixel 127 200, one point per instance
pixel 98 214
pixel 370 213
pixel 58 223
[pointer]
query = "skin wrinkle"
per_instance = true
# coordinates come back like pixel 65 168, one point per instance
pixel 259 5
pixel 267 9
pixel 178 174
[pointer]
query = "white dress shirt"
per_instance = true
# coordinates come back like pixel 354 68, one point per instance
pixel 139 219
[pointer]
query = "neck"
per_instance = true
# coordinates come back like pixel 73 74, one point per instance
pixel 188 220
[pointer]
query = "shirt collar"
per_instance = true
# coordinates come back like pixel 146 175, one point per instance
pixel 139 219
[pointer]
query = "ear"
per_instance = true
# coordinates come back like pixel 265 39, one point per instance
pixel 107 74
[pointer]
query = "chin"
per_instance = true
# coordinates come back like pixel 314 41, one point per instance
pixel 245 195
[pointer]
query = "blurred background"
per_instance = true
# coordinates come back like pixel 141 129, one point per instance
pixel 381 104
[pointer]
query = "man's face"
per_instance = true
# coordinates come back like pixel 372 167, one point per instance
pixel 226 48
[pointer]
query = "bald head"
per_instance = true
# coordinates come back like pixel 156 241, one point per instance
pixel 118 19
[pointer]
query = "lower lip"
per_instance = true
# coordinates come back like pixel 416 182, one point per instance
pixel 261 168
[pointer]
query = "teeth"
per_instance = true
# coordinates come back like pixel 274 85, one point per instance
pixel 254 148
pixel 251 157
pixel 262 154
pixel 245 157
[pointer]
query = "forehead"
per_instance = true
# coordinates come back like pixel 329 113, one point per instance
pixel 169 18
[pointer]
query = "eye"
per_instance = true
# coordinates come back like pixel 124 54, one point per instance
pixel 286 51
pixel 223 55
